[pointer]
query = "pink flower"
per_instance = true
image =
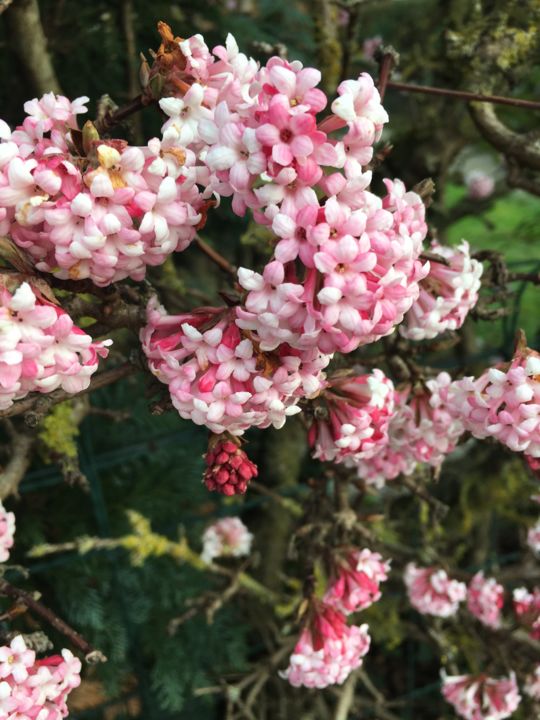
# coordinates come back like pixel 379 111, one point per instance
pixel 36 689
pixel 480 185
pixel 370 45
pixel 15 660
pixel 7 531
pixel 356 584
pixel 485 600
pixel 481 697
pixel 503 403
pixel 226 537
pixel 229 469
pixel 447 294
pixel 527 609
pixel 421 429
pixel 40 347
pixel 432 592
pixel 352 417
pixel 288 136
pixel 327 651
pixel 219 377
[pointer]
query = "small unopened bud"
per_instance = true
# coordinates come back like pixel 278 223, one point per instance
pixel 90 136
pixel 155 86
pixel 144 72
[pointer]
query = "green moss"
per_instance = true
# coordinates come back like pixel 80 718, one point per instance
pixel 59 432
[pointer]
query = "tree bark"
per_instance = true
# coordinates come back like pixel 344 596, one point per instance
pixel 29 43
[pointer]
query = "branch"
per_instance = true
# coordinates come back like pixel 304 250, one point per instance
pixel 389 59
pixel 30 45
pixel 111 119
pixel 19 462
pixel 464 95
pixel 511 144
pixel 218 259
pixel 91 655
pixel 36 405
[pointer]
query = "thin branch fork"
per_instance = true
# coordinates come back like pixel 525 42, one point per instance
pixel 91 655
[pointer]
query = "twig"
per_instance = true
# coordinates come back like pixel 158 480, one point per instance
pixel 37 405
pixel 346 698
pixel 103 125
pixel 389 59
pixel 91 655
pixel 291 505
pixel 463 95
pixel 218 259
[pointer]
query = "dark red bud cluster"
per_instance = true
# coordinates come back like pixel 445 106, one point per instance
pixel 229 469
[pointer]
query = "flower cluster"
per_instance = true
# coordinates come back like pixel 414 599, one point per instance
pixel 345 269
pixel 503 403
pixel 32 688
pixel 352 416
pixel 327 651
pixel 225 538
pixel 421 430
pixel 7 532
pixel 485 600
pixel 481 697
pixel 447 294
pixel 40 347
pixel 218 377
pixel 229 469
pixel 527 609
pixel 357 581
pixel 432 592
pixel 94 209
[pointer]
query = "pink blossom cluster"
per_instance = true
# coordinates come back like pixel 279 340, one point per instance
pixel 527 609
pixel 352 416
pixel 432 592
pixel 532 684
pixel 481 697
pixel 357 580
pixel 40 347
pixel 421 430
pixel 7 532
pixel 229 469
pixel 104 211
pixel 503 403
pixel 485 600
pixel 447 293
pixel 32 689
pixel 217 375
pixel 533 538
pixel 228 537
pixel 327 651
pixel 346 267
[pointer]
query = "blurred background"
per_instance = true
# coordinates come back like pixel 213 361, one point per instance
pixel 87 472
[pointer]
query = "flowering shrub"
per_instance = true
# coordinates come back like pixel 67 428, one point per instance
pixel 345 267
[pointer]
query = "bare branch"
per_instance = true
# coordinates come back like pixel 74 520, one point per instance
pixel 19 462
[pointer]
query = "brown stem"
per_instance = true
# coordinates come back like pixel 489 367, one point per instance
pixel 388 60
pixel 463 95
pixel 118 116
pixel 218 259
pixel 91 655
pixel 37 405
pixel 532 277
